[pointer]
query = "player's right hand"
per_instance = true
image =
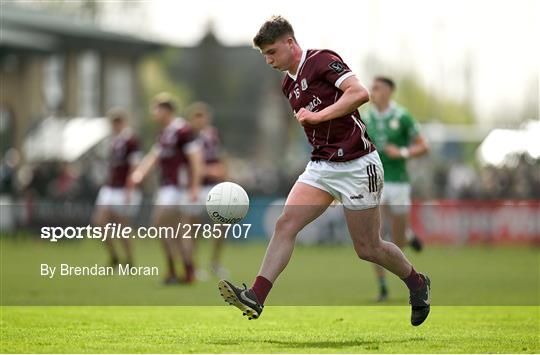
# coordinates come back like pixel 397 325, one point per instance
pixel 392 151
pixel 194 194
pixel 130 186
pixel 134 180
pixel 128 191
pixel 306 117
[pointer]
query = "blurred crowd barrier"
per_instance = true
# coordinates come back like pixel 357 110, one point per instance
pixel 444 222
pixel 477 222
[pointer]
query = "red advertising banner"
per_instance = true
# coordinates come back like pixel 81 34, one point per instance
pixel 477 222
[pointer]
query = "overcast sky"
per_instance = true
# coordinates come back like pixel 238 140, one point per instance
pixel 432 38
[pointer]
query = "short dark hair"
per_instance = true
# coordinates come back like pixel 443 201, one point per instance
pixel 387 81
pixel 117 114
pixel 271 30
pixel 165 100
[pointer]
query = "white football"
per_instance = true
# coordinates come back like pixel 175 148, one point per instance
pixel 227 202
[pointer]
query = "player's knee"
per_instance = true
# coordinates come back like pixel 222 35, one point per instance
pixel 367 251
pixel 365 254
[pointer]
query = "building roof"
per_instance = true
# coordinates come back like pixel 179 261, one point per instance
pixel 42 31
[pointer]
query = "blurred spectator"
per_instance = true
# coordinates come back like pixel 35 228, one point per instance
pixel 490 182
pixel 460 181
pixel 8 166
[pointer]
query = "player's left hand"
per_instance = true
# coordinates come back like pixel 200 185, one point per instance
pixel 392 151
pixel 194 194
pixel 307 117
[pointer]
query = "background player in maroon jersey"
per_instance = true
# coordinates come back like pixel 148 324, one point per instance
pixel 177 148
pixel 325 96
pixel 113 205
pixel 215 171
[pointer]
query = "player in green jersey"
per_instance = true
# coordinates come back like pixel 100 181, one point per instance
pixel 397 137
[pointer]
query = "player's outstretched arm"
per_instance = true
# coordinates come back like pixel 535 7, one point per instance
pixel 196 163
pixel 354 96
pixel 418 148
pixel 142 169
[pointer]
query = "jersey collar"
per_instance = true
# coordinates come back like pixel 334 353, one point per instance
pixel 386 112
pixel 124 133
pixel 176 123
pixel 302 60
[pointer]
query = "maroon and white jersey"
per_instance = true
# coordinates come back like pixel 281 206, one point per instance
pixel 174 142
pixel 124 152
pixel 211 143
pixel 315 87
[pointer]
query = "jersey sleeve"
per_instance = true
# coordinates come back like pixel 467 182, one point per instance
pixel 332 68
pixel 217 151
pixel 412 128
pixel 217 143
pixel 134 155
pixel 188 141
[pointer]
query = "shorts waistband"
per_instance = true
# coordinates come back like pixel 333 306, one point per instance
pixel 317 160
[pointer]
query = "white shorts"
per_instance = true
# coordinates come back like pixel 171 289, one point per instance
pixel 194 208
pixel 115 198
pixel 397 195
pixel 168 195
pixel 357 183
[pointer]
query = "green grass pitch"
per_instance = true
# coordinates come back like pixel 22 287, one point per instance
pixel 485 301
pixel 286 329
